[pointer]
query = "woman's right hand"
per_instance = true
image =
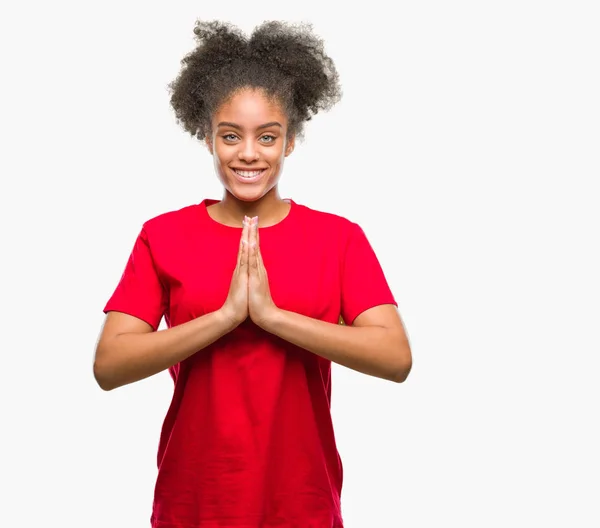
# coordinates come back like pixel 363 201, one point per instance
pixel 235 307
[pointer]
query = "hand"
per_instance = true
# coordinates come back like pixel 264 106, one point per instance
pixel 235 307
pixel 260 303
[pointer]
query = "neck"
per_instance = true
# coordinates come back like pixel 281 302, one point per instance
pixel 270 209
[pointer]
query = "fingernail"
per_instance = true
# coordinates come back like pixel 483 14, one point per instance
pixel 255 220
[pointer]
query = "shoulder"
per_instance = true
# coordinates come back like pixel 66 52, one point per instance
pixel 326 219
pixel 328 223
pixel 171 222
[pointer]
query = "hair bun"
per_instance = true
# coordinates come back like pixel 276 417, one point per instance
pixel 296 52
pixel 221 42
pixel 284 59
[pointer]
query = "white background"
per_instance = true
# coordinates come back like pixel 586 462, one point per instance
pixel 466 145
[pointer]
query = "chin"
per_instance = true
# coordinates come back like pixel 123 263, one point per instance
pixel 250 193
pixel 247 195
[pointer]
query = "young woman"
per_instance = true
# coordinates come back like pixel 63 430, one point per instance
pixel 252 288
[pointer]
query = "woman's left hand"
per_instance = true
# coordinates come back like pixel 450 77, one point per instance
pixel 260 303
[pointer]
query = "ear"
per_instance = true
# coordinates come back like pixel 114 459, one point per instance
pixel 289 147
pixel 209 143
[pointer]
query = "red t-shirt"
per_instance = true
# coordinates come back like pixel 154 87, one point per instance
pixel 248 440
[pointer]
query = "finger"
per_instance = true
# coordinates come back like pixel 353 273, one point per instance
pixel 246 255
pixel 261 264
pixel 259 261
pixel 243 253
pixel 253 230
pixel 240 249
pixel 253 244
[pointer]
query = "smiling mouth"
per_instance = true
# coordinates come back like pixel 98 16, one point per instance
pixel 249 174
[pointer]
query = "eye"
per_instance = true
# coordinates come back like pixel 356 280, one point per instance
pixel 229 137
pixel 268 138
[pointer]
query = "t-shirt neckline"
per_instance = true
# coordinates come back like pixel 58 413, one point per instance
pixel 207 218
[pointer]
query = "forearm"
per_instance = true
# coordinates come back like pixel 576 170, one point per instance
pixel 130 357
pixel 373 350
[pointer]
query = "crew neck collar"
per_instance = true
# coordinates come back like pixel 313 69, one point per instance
pixel 203 205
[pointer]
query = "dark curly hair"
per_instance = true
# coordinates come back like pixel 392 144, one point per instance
pixel 286 61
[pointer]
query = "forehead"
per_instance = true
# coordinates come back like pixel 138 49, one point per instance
pixel 250 108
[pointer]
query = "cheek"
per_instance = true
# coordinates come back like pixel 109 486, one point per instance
pixel 276 157
pixel 221 156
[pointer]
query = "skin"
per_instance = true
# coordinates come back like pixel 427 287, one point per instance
pixel 376 344
pixel 250 132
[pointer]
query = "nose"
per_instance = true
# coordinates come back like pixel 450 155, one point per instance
pixel 248 151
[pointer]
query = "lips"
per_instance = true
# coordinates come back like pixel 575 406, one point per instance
pixel 248 176
pixel 247 173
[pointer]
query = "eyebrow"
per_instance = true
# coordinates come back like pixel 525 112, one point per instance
pixel 233 125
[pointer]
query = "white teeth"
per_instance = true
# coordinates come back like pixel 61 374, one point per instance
pixel 248 174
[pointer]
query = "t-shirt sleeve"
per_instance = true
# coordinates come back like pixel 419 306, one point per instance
pixel 363 283
pixel 140 292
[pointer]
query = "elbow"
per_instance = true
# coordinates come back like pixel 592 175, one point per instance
pixel 103 371
pixel 103 379
pixel 402 364
pixel 401 374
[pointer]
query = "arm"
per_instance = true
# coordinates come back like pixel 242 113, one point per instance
pixel 129 350
pixel 376 343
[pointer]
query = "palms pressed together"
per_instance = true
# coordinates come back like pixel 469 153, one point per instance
pixel 249 293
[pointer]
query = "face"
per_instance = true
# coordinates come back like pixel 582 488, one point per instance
pixel 249 144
